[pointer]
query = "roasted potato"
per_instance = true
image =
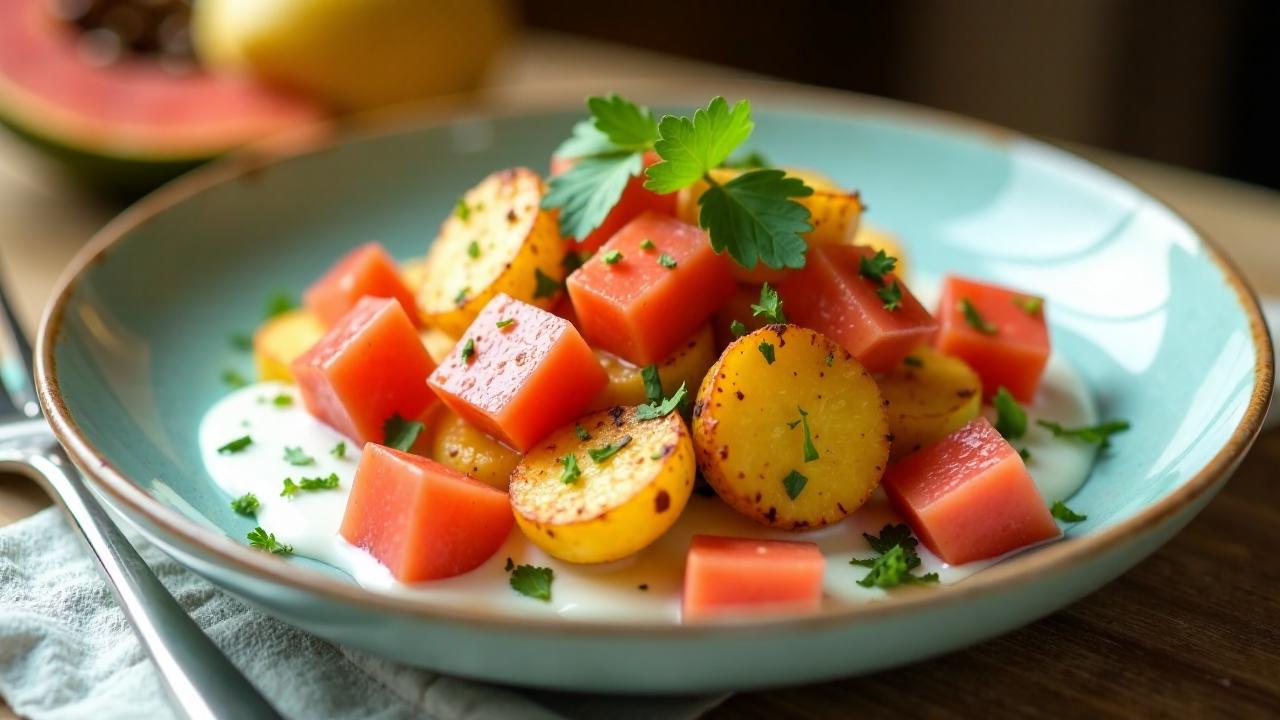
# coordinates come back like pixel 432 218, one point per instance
pixel 927 396
pixel 413 272
pixel 281 339
pixel 612 507
pixel 834 214
pixel 687 365
pixel 438 343
pixel 467 449
pixel 499 240
pixel 797 442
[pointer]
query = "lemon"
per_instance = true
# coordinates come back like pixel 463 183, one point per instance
pixel 354 54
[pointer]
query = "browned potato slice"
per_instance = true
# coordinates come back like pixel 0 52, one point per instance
pixel 927 396
pixel 752 417
pixel 614 506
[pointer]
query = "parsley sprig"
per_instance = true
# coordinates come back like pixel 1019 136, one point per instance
pixel 534 582
pixel 769 307
pixel 603 453
pixel 264 540
pixel 1011 419
pixel 655 410
pixel 1060 511
pixel 292 488
pixel 897 558
pixel 401 434
pixel 1099 434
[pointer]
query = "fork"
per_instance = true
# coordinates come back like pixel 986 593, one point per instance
pixel 202 682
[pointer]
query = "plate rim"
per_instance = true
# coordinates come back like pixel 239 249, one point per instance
pixel 226 552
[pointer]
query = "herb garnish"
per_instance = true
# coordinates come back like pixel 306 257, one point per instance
pixel 340 450
pixel 263 540
pixel 571 471
pixel 1029 304
pixel 667 261
pixel 504 322
pixel 581 432
pixel 241 341
pixel 766 349
pixel 468 350
pixel 233 379
pixel 279 304
pixel 601 454
pixel 810 452
pixel 653 411
pixel 769 307
pixel 534 582
pixel 282 400
pixel 890 295
pixel 295 456
pixel 473 250
pixel 913 361
pixel 737 329
pixel 461 211
pixel 309 483
pixel 974 319
pixel 748 161
pixel 246 504
pixel 236 445
pixel 401 434
pixel 652 383
pixel 461 298
pixel 874 268
pixel 647 244
pixel 1011 419
pixel 544 286
pixel 611 257
pixel 1060 511
pixel 1099 434
pixel 831 357
pixel 794 483
pixel 897 558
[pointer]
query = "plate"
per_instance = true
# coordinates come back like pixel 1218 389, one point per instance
pixel 1162 329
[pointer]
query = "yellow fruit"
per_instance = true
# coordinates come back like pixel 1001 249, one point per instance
pixel 463 447
pixel 927 396
pixel 281 339
pixel 354 54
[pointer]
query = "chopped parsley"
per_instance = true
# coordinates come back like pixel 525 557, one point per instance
pixel 831 357
pixel 236 445
pixel 295 456
pixel 601 454
pixel 737 329
pixel 1099 434
pixel 282 400
pixel 401 434
pixel 913 361
pixel 291 488
pixel 1029 304
pixel 571 471
pixel 890 295
pixel 544 286
pixel 874 268
pixel 504 323
pixel 1011 419
pixel 653 411
pixel 461 210
pixel 652 383
pixel 794 484
pixel 241 341
pixel 810 452
pixel 667 261
pixel 264 540
pixel 974 319
pixel 473 250
pixel 1060 511
pixel 246 504
pixel 611 257
pixel 279 304
pixel 770 306
pixel 581 432
pixel 468 350
pixel 747 161
pixel 534 582
pixel 461 298
pixel 1025 454
pixel 647 244
pixel 766 349
pixel 896 547
pixel 234 379
pixel 340 450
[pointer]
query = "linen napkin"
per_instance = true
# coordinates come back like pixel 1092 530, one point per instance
pixel 67 652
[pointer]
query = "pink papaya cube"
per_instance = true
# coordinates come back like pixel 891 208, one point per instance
pixel 367 271
pixel 735 576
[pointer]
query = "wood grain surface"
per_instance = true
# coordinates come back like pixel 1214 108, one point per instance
pixel 1194 631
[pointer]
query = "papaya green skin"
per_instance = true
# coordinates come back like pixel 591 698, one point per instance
pixel 117 178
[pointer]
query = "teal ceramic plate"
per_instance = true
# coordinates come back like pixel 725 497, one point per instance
pixel 1162 329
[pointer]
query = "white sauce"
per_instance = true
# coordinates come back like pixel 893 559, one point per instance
pixel 309 520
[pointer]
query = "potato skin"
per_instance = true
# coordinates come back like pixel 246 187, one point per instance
pixel 515 240
pixel 614 508
pixel 687 366
pixel 927 396
pixel 748 436
pixel 281 339
pixel 469 450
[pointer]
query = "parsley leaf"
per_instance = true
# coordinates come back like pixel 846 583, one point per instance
pixel 611 257
pixel 891 535
pixel 233 379
pixel 601 454
pixel 753 218
pixel 340 450
pixel 1099 434
pixel 282 400
pixel 581 432
pixel 241 341
pixel 831 357
pixel 974 319
pixel 295 456
pixel 236 445
pixel 588 191
pixel 647 244
pixel 585 140
pixel 890 295
pixel 462 211
pixel 624 123
pixel 652 383
pixel 263 540
pixel 468 350
pixel 810 452
pixel 504 323
pixel 766 349
pixel 1060 511
pixel 667 261
pixel 473 250
pixel 691 147
pixel 913 361
pixel 401 434
pixel 544 286
pixel 770 306
pixel 747 161
pixel 246 504
pixel 280 303
pixel 534 582
pixel 461 298
pixel 571 471
pixel 794 484
pixel 1029 304
pixel 291 488
pixel 874 268
pixel 653 411
pixel 897 558
pixel 1011 419
pixel 737 328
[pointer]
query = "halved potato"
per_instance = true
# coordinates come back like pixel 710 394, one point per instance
pixel 281 339
pixel 752 417
pixel 463 447
pixel 686 365
pixel 613 507
pixel 927 396
pixel 503 242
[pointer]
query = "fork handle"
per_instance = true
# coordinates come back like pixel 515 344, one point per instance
pixel 202 682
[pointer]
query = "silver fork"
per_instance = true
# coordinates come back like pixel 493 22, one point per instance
pixel 202 682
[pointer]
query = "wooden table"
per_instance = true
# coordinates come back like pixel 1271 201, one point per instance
pixel 1193 631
